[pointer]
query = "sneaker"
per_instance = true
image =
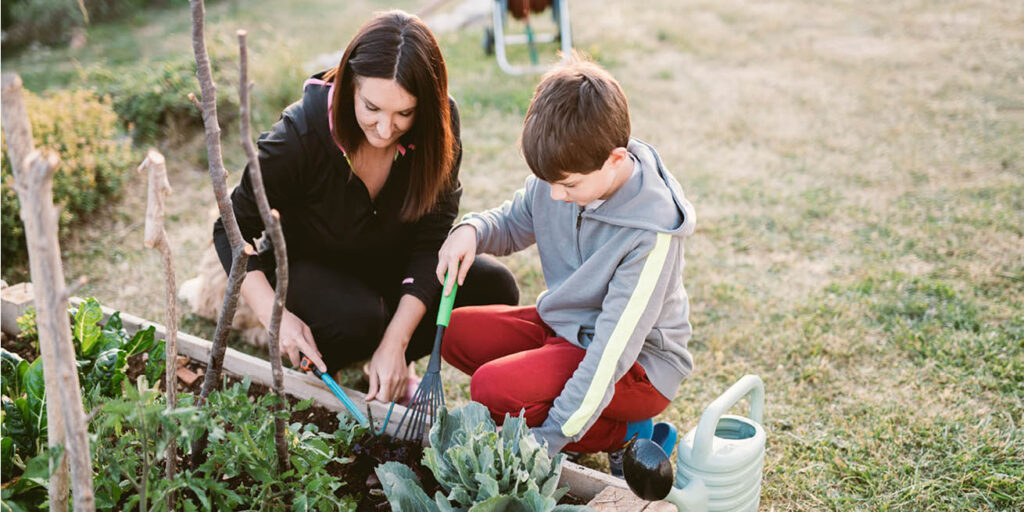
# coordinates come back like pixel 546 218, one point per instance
pixel 615 461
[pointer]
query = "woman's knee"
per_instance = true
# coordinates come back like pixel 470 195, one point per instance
pixel 489 281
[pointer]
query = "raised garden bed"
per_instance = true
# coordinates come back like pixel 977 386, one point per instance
pixel 584 483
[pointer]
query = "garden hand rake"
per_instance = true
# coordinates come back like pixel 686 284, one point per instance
pixel 430 393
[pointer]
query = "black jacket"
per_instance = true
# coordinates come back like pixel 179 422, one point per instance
pixel 326 211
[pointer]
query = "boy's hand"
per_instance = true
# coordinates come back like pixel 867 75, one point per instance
pixel 456 255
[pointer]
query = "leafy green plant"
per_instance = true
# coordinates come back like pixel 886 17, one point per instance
pixel 29 332
pixel 129 446
pixel 480 468
pixel 24 410
pixel 103 352
pixel 239 471
pixel 95 159
pixel 29 490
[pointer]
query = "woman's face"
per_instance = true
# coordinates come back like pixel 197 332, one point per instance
pixel 384 110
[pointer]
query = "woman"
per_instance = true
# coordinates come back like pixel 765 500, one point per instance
pixel 364 173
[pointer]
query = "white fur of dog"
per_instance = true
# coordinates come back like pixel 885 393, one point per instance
pixel 205 295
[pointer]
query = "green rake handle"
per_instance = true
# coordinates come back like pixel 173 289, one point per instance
pixel 444 313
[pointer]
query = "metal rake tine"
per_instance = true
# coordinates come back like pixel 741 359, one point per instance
pixel 416 397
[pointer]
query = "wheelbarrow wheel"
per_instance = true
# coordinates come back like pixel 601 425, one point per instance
pixel 488 41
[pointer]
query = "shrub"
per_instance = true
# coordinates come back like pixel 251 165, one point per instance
pixel 51 21
pixel 151 98
pixel 95 159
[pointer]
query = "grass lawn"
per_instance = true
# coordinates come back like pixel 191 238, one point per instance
pixel 858 174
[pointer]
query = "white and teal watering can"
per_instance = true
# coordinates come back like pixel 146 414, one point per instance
pixel 719 463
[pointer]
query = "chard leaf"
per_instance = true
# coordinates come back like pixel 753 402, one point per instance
pixel 11 373
pixel 6 454
pixel 156 363
pixel 86 328
pixel 141 342
pixel 114 322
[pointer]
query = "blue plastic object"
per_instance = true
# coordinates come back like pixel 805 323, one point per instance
pixel 308 365
pixel 665 435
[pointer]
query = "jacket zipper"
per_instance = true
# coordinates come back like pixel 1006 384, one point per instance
pixel 579 223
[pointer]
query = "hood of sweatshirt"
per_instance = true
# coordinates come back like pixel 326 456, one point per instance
pixel 651 199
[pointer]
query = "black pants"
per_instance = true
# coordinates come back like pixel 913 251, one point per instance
pixel 348 315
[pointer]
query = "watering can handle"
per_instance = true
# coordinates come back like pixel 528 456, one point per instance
pixel 748 385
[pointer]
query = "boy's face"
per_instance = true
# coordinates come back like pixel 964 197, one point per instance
pixel 584 189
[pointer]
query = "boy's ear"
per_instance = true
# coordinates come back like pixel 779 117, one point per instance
pixel 617 155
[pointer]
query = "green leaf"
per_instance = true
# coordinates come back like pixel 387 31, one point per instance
pixel 34 385
pixel 86 328
pixel 403 489
pixel 10 380
pixel 496 504
pixel 17 429
pixel 6 455
pixel 141 342
pixel 303 405
pixel 156 363
pixel 37 471
pixel 114 322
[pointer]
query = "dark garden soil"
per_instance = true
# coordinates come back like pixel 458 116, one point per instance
pixel 26 350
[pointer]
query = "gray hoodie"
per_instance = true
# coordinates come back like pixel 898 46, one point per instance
pixel 614 278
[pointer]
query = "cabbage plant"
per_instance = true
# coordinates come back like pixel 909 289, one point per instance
pixel 479 468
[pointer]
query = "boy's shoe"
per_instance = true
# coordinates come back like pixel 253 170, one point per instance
pixel 615 461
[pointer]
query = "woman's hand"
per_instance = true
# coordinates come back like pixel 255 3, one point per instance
pixel 456 255
pixel 388 372
pixel 294 337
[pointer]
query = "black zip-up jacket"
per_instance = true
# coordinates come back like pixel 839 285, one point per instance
pixel 326 210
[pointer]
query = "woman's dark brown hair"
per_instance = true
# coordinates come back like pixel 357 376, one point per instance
pixel 397 45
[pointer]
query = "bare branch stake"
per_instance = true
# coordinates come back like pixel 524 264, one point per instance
pixel 33 175
pixel 272 224
pixel 156 237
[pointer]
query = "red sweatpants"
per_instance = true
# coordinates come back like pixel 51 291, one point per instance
pixel 517 362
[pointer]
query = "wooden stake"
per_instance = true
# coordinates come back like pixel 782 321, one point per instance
pixel 272 225
pixel 218 175
pixel 40 218
pixel 156 237
pixel 18 132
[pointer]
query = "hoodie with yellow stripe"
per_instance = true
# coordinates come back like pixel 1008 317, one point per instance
pixel 614 283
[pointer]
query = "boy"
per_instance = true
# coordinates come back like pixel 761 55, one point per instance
pixel 604 349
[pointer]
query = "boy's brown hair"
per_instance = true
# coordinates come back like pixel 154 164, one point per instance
pixel 577 116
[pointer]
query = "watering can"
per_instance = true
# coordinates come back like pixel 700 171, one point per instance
pixel 718 463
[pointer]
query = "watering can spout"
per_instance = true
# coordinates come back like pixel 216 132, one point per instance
pixel 692 498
